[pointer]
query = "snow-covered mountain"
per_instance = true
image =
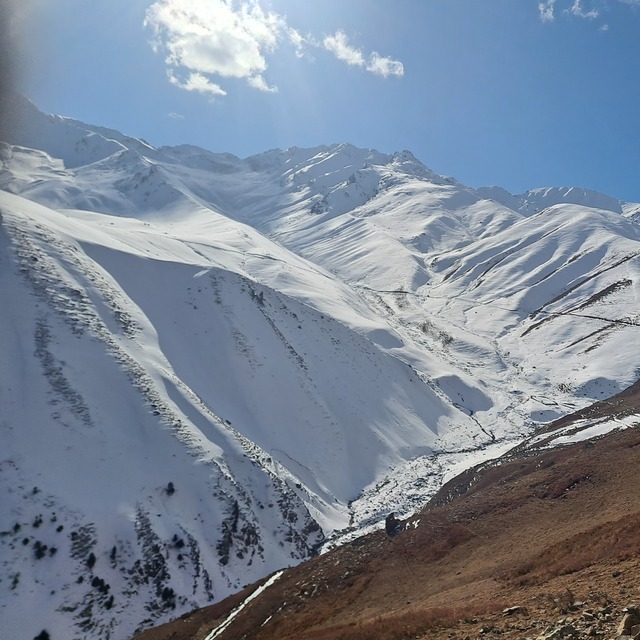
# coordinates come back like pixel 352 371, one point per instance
pixel 536 200
pixel 213 366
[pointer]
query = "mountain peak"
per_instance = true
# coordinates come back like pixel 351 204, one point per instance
pixel 545 197
pixel 536 200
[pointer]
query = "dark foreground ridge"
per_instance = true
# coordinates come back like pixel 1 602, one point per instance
pixel 543 545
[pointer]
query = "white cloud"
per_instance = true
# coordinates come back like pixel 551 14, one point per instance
pixel 197 82
pixel 578 10
pixel 385 67
pixel 223 38
pixel 258 82
pixel 546 10
pixel 339 46
pixel 298 41
pixel 176 116
pixel 204 41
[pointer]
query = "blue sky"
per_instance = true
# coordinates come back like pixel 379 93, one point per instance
pixel 518 93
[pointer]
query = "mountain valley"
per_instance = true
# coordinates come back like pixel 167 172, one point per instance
pixel 215 368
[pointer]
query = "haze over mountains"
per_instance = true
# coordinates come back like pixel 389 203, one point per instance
pixel 214 366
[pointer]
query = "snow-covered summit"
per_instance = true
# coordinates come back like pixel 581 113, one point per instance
pixel 539 199
pixel 72 141
pixel 536 200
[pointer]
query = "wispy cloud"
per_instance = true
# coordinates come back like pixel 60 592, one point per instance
pixel 546 10
pixel 298 41
pixel 207 42
pixel 578 10
pixel 338 44
pixel 196 82
pixel 384 67
pixel 585 9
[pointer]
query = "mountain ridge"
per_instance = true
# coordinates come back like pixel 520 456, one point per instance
pixel 166 300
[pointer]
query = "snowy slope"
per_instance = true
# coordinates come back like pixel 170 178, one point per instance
pixel 212 365
pixel 144 354
pixel 96 425
pixel 559 294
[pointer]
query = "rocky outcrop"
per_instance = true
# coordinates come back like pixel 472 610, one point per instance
pixel 577 620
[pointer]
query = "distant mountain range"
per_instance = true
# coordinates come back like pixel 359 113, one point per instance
pixel 215 367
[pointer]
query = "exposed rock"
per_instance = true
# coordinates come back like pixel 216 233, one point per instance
pixel 392 525
pixel 565 631
pixel 629 620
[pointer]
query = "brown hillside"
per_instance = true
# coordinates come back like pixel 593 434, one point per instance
pixel 555 532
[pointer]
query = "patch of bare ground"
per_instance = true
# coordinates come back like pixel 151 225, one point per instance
pixel 550 536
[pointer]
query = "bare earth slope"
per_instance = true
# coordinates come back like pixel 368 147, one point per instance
pixel 550 530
